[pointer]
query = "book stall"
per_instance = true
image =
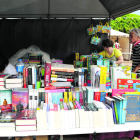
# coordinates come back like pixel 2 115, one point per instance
pixel 92 96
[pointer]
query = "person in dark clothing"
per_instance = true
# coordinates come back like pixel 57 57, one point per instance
pixel 134 39
pixel 19 107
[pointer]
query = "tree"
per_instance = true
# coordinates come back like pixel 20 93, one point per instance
pixel 126 23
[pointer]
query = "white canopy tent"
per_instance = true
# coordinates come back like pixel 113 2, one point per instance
pixel 118 34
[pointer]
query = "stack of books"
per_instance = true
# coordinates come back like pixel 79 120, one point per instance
pixel 26 120
pixel 2 80
pixel 7 121
pixel 14 81
pixel 62 73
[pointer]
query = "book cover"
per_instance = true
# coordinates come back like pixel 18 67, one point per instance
pixel 136 86
pixel 116 92
pixel 121 72
pixel 132 109
pixel 6 100
pixel 126 83
pixel 97 96
pixel 20 99
pixel 102 96
pixel 7 119
pixel 103 74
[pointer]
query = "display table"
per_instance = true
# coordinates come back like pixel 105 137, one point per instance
pixel 117 128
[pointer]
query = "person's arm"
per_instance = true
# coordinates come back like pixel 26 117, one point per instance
pixel 120 60
pixel 136 68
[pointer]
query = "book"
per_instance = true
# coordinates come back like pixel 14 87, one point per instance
pixel 6 100
pixel 126 83
pixel 62 73
pixel 20 99
pixel 97 96
pixel 121 72
pixel 116 92
pixel 102 96
pixel 47 74
pixel 26 117
pixel 3 77
pixel 132 109
pixel 110 102
pixel 119 106
pixel 26 128
pixel 124 105
pixel 14 79
pixel 7 119
pixel 14 85
pixel 62 67
pixel 136 86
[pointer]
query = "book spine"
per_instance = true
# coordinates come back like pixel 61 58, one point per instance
pixel 29 76
pixel 76 73
pixel 62 73
pixel 61 76
pixel 85 77
pixel 26 75
pixel 24 78
pixel 61 79
pixel 47 74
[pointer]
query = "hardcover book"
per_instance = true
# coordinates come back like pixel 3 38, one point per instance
pixel 132 109
pixel 20 99
pixel 6 100
pixel 26 117
pixel 14 79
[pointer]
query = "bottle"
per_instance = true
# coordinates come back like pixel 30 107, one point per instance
pixel 19 68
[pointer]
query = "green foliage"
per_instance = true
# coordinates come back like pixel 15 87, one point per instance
pixel 126 23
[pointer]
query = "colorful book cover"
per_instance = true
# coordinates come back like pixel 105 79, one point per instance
pixel 102 96
pixel 97 96
pixel 121 72
pixel 116 92
pixel 6 100
pixel 132 109
pixel 26 114
pixel 136 86
pixel 103 75
pixel 20 99
pixel 127 82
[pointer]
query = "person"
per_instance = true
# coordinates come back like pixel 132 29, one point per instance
pixel 5 66
pixel 134 39
pixel 110 52
pixel 19 107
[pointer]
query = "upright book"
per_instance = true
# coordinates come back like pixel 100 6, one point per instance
pixel 132 109
pixel 20 99
pixel 6 100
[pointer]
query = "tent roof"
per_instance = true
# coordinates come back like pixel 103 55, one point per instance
pixel 118 33
pixel 67 8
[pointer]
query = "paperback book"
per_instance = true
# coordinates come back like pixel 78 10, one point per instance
pixel 6 100
pixel 20 99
